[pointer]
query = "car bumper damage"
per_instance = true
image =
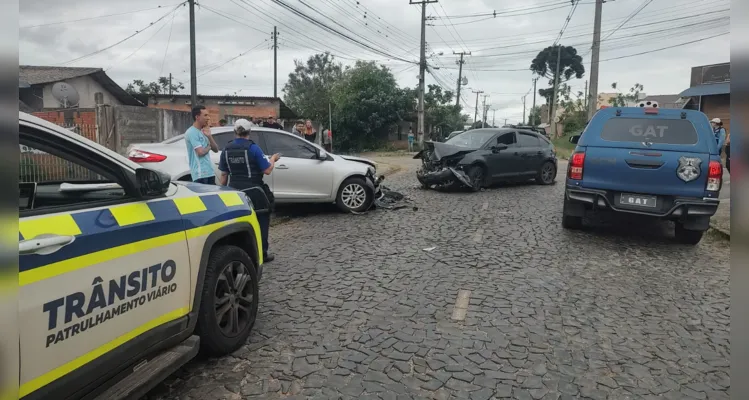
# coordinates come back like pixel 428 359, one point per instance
pixel 441 167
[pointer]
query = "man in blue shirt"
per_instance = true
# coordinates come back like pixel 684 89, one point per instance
pixel 720 133
pixel 243 165
pixel 200 143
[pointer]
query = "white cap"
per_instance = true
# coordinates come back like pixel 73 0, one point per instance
pixel 716 120
pixel 243 123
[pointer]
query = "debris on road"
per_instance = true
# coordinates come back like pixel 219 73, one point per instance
pixel 430 248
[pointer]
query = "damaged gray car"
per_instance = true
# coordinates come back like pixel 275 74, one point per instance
pixel 480 157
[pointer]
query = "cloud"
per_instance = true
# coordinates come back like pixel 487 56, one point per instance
pixel 511 41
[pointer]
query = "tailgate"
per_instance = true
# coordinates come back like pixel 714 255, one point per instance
pixel 635 170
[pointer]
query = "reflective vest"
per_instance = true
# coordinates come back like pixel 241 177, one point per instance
pixel 244 172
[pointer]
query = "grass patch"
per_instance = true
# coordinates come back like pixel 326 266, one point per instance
pixel 563 146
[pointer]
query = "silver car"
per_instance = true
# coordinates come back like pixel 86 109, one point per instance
pixel 306 173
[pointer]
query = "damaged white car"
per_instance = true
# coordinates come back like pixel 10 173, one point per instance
pixel 480 157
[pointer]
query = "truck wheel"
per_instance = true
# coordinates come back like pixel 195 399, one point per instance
pixel 354 196
pixel 230 301
pixel 686 236
pixel 570 221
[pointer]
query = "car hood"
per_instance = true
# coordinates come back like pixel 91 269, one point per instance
pixel 359 159
pixel 440 150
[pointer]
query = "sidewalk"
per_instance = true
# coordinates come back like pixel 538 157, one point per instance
pixel 721 221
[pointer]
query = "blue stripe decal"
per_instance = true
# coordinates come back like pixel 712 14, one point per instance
pixel 100 231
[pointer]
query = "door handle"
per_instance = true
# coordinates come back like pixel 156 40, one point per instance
pixel 282 166
pixel 44 244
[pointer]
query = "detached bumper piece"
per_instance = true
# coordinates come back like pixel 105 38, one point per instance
pixel 670 207
pixel 444 177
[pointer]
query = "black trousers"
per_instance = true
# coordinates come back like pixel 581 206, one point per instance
pixel 728 157
pixel 264 203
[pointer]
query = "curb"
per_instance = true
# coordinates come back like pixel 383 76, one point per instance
pixel 726 234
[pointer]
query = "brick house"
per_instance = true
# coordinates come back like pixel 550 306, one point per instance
pixel 228 108
pixel 710 92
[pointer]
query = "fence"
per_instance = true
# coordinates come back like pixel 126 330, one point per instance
pixel 39 166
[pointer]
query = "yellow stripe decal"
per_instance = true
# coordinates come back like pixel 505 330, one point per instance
pixel 189 205
pixel 71 366
pixel 62 224
pixel 231 199
pixel 130 214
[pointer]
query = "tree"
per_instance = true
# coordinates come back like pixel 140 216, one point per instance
pixel 367 103
pixel 534 116
pixel 439 111
pixel 623 100
pixel 574 111
pixel 545 65
pixel 309 88
pixel 161 86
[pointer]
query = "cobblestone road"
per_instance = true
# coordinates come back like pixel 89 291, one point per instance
pixel 354 307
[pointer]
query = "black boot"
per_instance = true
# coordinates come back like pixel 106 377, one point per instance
pixel 268 257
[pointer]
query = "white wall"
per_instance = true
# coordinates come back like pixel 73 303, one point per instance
pixel 86 87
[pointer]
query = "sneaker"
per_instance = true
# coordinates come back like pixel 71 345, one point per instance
pixel 268 257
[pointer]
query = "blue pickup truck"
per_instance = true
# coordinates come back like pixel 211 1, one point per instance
pixel 662 163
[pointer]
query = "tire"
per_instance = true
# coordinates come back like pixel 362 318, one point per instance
pixel 354 196
pixel 686 236
pixel 217 336
pixel 477 177
pixel 546 174
pixel 571 222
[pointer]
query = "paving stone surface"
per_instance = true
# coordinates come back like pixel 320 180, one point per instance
pixel 354 307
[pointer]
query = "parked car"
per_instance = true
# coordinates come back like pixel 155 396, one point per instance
pixel 661 163
pixel 453 134
pixel 306 173
pixel 481 157
pixel 536 129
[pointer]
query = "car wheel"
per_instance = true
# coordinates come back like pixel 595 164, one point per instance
pixel 229 301
pixel 354 196
pixel 477 177
pixel 547 173
pixel 686 236
pixel 572 222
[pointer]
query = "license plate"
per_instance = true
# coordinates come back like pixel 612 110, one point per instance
pixel 636 200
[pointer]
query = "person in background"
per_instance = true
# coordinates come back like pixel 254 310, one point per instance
pixel 326 141
pixel 272 123
pixel 222 122
pixel 199 142
pixel 243 165
pixel 298 129
pixel 728 152
pixel 309 131
pixel 720 133
pixel 411 139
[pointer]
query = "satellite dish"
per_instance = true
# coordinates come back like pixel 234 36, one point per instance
pixel 65 94
pixel 465 81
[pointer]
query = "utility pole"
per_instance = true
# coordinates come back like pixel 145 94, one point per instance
pixel 193 65
pixel 554 95
pixel 170 84
pixel 593 92
pixel 422 68
pixel 494 115
pixel 524 109
pixel 586 96
pixel 534 103
pixel 275 62
pixel 460 73
pixel 476 112
pixel 483 120
pixel 505 121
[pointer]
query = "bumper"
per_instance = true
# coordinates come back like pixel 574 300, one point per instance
pixel 443 176
pixel 670 207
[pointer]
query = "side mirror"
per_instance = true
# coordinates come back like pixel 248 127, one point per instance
pixel 574 139
pixel 151 183
pixel 499 147
pixel 322 154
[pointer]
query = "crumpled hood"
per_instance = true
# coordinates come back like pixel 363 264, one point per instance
pixel 440 150
pixel 359 159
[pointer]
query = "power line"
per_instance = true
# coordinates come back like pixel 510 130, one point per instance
pixel 631 15
pixel 566 22
pixel 144 43
pixel 495 13
pixel 232 59
pixel 97 17
pixel 168 41
pixel 123 40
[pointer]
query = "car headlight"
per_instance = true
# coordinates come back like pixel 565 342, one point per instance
pixel 372 170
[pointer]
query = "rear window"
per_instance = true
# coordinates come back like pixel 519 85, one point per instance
pixel 662 131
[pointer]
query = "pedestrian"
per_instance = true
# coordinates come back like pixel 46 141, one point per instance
pixel 326 140
pixel 272 123
pixel 200 143
pixel 728 152
pixel 720 133
pixel 309 131
pixel 298 129
pixel 222 122
pixel 243 165
pixel 411 139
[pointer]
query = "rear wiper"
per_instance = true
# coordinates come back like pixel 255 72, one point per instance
pixel 87 187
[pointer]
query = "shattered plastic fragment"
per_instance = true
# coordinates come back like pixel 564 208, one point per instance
pixel 430 248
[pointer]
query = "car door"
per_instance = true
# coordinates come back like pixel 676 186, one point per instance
pixel 97 268
pixel 502 164
pixel 298 174
pixel 530 152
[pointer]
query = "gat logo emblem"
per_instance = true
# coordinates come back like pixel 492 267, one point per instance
pixel 689 168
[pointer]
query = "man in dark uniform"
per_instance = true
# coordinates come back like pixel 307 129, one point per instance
pixel 242 166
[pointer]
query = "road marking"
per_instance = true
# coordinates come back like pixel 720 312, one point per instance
pixel 479 235
pixel 461 305
pixel 485 206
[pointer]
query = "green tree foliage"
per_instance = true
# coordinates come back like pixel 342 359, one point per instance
pixel 309 88
pixel 545 65
pixel 161 86
pixel 440 113
pixel 623 99
pixel 574 111
pixel 534 116
pixel 367 103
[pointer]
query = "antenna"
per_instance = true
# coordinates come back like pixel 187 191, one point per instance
pixel 65 94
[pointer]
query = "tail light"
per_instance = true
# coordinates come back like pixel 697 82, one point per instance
pixel 714 176
pixel 575 170
pixel 141 156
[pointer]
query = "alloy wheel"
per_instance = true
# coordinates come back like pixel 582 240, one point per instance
pixel 353 196
pixel 547 173
pixel 234 299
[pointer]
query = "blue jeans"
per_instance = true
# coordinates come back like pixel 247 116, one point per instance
pixel 206 181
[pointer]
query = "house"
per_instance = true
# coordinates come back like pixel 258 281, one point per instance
pixel 228 108
pixel 710 92
pixel 666 100
pixel 91 86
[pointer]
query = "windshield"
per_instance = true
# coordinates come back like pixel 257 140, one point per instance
pixel 661 131
pixel 471 139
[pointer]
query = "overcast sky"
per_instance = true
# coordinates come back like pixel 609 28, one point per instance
pixel 502 47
